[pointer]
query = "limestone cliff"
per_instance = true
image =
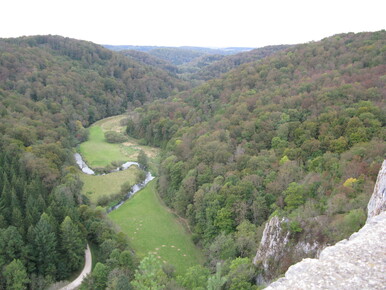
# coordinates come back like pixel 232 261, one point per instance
pixel 272 246
pixel 377 203
pixel 279 248
pixel 356 263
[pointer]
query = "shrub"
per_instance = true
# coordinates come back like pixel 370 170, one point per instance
pixel 114 137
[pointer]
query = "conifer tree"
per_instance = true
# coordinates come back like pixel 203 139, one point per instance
pixel 15 276
pixel 72 245
pixel 45 243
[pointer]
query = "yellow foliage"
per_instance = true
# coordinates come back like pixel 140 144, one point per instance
pixel 349 182
pixel 284 160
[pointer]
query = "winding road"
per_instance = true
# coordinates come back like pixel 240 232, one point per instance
pixel 86 270
pixel 88 259
pixel 87 170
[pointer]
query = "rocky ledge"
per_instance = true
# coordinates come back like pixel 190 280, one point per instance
pixel 356 263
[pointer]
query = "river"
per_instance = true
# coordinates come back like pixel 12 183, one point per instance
pixel 134 189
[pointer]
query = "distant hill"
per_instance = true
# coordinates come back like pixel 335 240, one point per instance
pixel 206 50
pixel 148 59
pixel 44 67
pixel 179 55
pixel 195 63
pixel 214 69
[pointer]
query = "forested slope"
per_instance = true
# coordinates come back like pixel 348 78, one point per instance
pixel 215 68
pixel 149 59
pixel 200 65
pixel 50 88
pixel 300 134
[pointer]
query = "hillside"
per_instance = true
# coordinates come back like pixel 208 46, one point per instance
pixel 50 89
pixel 199 64
pixel 149 59
pixel 299 135
pixel 47 66
pixel 215 69
pixel 204 50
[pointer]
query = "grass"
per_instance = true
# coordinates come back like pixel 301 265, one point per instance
pixel 97 186
pixel 98 153
pixel 151 228
pixel 146 221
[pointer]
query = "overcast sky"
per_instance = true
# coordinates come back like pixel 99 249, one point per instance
pixel 210 23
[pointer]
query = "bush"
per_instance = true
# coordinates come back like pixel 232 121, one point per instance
pixel 114 137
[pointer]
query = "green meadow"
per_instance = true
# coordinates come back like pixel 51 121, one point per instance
pixel 97 186
pixel 151 228
pixel 98 153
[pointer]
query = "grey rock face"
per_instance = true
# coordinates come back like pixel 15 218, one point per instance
pixel 277 250
pixel 377 203
pixel 273 240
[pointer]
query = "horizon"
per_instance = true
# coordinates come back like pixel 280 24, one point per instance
pixel 200 23
pixel 187 46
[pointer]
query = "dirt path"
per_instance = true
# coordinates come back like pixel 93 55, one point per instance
pixel 86 270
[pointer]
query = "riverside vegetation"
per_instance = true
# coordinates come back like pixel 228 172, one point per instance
pixel 144 219
pixel 299 133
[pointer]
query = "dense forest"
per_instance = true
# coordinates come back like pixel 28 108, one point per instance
pixel 199 65
pixel 50 89
pixel 289 131
pixel 300 134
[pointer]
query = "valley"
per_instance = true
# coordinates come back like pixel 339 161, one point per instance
pixel 260 159
pixel 148 224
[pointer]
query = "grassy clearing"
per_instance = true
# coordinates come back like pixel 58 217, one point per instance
pixel 151 228
pixel 98 153
pixel 147 222
pixel 97 186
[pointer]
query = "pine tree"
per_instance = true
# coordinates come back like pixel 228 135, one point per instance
pixel 72 245
pixel 5 199
pixel 11 245
pixel 45 243
pixel 15 275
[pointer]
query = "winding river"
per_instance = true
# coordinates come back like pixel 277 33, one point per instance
pixel 134 189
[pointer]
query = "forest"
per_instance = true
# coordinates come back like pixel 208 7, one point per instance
pixel 300 135
pixel 289 131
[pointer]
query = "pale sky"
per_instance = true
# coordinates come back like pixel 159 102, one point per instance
pixel 209 23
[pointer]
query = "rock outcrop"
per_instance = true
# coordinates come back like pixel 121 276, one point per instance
pixel 272 247
pixel 356 263
pixel 377 203
pixel 279 248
